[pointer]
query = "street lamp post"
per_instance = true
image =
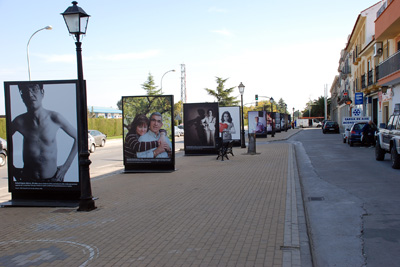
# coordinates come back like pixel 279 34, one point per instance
pixel 163 77
pixel 27 47
pixel 286 126
pixel 271 100
pixel 241 90
pixel 293 119
pixel 76 20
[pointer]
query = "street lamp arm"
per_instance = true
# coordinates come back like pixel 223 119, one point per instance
pixel 27 47
pixel 163 77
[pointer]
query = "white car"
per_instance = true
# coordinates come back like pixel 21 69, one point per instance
pixel 346 134
pixel 178 131
pixel 91 143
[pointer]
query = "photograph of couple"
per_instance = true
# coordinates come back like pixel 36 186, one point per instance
pixel 146 139
pixel 147 130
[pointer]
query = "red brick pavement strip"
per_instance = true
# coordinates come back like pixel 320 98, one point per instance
pixel 207 213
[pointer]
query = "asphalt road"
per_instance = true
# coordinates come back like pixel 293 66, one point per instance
pixel 352 201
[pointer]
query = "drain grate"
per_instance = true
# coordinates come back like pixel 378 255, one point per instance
pixel 315 198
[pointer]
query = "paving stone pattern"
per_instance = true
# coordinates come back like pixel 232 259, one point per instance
pixel 206 213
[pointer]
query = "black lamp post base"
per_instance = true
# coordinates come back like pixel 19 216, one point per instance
pixel 87 205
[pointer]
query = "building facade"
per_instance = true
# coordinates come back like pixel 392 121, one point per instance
pixel 387 38
pixel 108 113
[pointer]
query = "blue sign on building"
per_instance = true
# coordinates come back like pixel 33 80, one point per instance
pixel 359 99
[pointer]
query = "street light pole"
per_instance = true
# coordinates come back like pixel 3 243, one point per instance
pixel 163 77
pixel 271 100
pixel 241 90
pixel 293 119
pixel 27 47
pixel 76 20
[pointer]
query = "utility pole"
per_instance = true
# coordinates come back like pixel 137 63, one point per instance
pixel 183 84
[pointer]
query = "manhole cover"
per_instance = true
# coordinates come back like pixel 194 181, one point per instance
pixel 315 198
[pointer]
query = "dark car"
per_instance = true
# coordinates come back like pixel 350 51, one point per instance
pixel 330 127
pixel 99 137
pixel 355 133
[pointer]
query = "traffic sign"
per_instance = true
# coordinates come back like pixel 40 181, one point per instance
pixel 351 120
pixel 357 112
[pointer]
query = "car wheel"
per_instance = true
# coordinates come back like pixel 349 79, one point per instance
pixel 3 160
pixel 395 158
pixel 350 143
pixel 379 152
pixel 92 148
pixel 323 132
pixel 103 143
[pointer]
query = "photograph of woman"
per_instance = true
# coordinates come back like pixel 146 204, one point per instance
pixel 209 127
pixel 226 126
pixel 139 127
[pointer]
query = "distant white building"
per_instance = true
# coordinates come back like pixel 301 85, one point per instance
pixel 102 112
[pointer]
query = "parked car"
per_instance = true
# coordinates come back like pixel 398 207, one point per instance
pixel 330 126
pixel 91 143
pixel 3 152
pixel 181 127
pixel 346 134
pixel 178 131
pixel 355 133
pixel 388 139
pixel 323 124
pixel 99 137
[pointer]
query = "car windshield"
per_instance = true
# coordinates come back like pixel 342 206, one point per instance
pixel 330 123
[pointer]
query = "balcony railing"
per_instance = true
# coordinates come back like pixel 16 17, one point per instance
pixel 376 73
pixel 390 65
pixel 370 78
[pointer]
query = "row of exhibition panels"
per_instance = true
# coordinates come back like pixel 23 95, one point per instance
pixel 203 124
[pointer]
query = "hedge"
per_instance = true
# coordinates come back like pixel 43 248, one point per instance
pixel 110 127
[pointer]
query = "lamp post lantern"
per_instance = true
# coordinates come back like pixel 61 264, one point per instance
pixel 241 91
pixel 76 20
pixel 163 77
pixel 27 47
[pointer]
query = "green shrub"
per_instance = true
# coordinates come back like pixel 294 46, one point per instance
pixel 110 127
pixel 3 130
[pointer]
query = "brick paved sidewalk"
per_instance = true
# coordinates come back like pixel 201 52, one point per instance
pixel 239 212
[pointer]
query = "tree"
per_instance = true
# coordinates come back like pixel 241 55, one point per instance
pixel 178 110
pixel 281 106
pixel 317 108
pixel 119 104
pixel 150 87
pixel 223 95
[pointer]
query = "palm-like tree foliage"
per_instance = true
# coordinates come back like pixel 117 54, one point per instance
pixel 223 95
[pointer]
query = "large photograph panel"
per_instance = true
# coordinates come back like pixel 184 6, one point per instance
pixel 148 133
pixel 270 122
pixel 201 124
pixel 278 122
pixel 42 135
pixel 257 123
pixel 229 124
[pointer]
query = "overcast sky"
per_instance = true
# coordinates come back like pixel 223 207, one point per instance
pixel 284 49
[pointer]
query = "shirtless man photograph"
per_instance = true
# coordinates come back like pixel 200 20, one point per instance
pixel 39 127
